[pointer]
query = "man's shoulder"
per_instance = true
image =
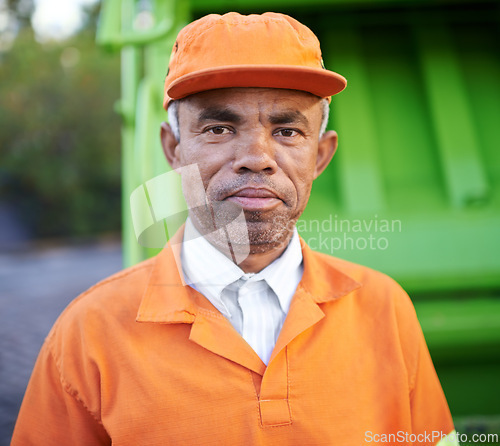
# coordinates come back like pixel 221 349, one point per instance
pixel 376 290
pixel 133 278
pixel 362 274
pixel 378 297
pixel 118 295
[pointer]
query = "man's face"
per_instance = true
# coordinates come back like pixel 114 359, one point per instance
pixel 257 150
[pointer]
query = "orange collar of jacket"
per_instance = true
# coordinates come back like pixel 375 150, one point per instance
pixel 321 281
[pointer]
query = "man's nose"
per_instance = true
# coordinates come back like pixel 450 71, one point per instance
pixel 255 152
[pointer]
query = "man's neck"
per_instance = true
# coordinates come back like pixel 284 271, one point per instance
pixel 258 261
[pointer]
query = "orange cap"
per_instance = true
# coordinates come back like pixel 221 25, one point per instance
pixel 233 50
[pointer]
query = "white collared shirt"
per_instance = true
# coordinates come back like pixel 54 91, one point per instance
pixel 255 304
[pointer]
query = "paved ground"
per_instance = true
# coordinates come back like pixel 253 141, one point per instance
pixel 35 286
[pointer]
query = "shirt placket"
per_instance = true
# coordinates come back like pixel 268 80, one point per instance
pixel 258 318
pixel 274 398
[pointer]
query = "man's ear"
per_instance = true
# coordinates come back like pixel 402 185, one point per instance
pixel 170 145
pixel 327 146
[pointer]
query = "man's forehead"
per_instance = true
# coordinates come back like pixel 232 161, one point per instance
pixel 270 100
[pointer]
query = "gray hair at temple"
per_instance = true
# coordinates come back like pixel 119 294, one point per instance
pixel 173 117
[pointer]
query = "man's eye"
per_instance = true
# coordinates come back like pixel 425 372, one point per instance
pixel 287 133
pixel 218 130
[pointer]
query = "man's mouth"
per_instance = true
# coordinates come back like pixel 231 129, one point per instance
pixel 255 199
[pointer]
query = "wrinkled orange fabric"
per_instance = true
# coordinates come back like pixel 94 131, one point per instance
pixel 140 359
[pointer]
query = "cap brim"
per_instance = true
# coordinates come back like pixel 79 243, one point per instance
pixel 317 81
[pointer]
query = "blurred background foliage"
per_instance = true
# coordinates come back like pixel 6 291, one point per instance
pixel 59 135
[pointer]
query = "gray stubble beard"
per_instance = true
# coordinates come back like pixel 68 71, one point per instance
pixel 238 234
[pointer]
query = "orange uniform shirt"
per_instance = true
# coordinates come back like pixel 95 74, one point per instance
pixel 140 359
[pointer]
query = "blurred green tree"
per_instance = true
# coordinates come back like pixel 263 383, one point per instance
pixel 59 136
pixel 21 10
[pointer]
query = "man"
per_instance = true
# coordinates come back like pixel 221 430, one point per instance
pixel 255 339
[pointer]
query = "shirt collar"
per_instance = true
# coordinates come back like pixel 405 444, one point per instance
pixel 284 274
pixel 209 271
pixel 166 299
